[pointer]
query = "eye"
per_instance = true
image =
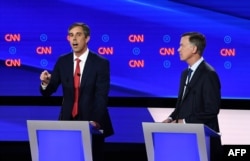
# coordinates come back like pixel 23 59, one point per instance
pixel 78 34
pixel 70 35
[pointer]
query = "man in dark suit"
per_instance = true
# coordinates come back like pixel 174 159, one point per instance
pixel 93 76
pixel 199 93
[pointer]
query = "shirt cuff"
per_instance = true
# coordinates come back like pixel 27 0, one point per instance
pixel 43 86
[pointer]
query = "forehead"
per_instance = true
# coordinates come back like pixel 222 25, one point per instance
pixel 76 29
pixel 185 39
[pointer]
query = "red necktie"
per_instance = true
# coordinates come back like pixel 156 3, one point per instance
pixel 77 76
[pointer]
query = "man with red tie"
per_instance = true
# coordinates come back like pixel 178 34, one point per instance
pixel 85 80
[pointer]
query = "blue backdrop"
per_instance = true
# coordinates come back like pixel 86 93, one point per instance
pixel 139 37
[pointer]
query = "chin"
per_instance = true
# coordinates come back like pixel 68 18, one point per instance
pixel 75 50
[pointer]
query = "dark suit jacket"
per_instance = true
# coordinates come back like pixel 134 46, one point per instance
pixel 94 89
pixel 201 102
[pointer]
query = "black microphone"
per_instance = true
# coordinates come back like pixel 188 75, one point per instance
pixel 78 74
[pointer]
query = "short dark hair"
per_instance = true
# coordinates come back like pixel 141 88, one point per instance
pixel 85 28
pixel 198 39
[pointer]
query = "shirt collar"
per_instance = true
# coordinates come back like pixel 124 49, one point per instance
pixel 195 65
pixel 84 56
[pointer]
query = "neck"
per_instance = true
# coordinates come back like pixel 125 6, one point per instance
pixel 80 53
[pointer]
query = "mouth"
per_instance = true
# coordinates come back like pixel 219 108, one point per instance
pixel 74 44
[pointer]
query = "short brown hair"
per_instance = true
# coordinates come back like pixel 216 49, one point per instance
pixel 84 27
pixel 198 39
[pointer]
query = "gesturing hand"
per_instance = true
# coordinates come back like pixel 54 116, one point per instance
pixel 45 77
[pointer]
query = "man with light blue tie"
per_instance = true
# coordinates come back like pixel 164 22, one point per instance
pixel 199 98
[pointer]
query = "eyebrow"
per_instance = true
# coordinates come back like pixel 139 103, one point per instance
pixel 71 33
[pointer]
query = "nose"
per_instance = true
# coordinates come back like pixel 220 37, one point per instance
pixel 179 49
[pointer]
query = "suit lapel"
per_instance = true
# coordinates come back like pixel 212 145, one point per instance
pixel 193 80
pixel 197 74
pixel 70 71
pixel 183 83
pixel 86 70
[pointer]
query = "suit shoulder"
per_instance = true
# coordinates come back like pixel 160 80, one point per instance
pixel 210 71
pixel 98 57
pixel 65 55
pixel 209 67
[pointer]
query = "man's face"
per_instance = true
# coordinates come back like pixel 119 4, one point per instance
pixel 77 40
pixel 186 49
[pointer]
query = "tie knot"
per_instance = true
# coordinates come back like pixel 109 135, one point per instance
pixel 77 60
pixel 189 74
pixel 190 71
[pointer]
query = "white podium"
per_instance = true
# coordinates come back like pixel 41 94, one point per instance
pixel 60 140
pixel 177 142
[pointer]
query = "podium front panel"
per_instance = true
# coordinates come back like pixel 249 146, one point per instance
pixel 60 145
pixel 175 147
pixel 60 140
pixel 176 142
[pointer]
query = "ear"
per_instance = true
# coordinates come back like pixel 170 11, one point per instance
pixel 68 37
pixel 87 39
pixel 195 49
